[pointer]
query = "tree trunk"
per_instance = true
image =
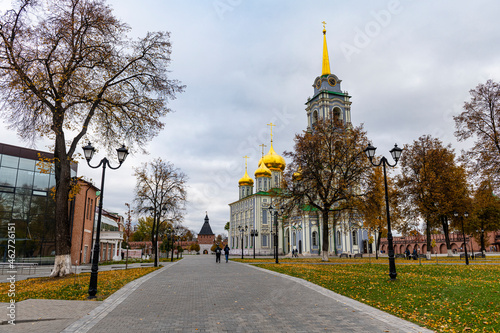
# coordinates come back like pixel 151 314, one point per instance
pixel 325 235
pixel 428 242
pixel 446 232
pixel 62 263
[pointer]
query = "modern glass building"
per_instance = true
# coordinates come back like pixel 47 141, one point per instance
pixel 26 202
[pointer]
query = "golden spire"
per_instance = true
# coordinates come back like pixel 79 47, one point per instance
pixel 326 62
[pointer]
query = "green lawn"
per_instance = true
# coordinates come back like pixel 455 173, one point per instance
pixel 444 298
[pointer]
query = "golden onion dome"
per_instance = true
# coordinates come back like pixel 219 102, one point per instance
pixel 297 175
pixel 274 161
pixel 262 170
pixel 246 180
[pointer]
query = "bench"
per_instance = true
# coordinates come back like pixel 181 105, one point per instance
pixel 344 255
pixel 462 255
pixel 479 255
pixel 421 255
pixel 400 255
pixel 358 255
pixel 150 264
pixel 18 267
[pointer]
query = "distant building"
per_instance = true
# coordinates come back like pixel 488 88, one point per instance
pixel 419 242
pixel 206 237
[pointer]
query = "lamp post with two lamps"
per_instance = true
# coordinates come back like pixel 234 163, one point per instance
pixel 242 230
pixel 396 154
pixel 254 233
pixel 88 152
pixel 465 215
pixel 275 211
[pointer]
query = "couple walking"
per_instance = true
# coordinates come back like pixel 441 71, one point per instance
pixel 218 252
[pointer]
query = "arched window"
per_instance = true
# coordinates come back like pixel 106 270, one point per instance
pixel 315 238
pixel 339 239
pixel 315 117
pixel 294 238
pixel 354 237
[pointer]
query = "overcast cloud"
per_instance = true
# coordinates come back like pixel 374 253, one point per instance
pixel 408 65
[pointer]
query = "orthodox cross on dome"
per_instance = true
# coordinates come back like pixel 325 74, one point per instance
pixel 271 124
pixel 324 25
pixel 263 146
pixel 246 158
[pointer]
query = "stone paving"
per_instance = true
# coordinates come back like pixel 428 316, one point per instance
pixel 198 295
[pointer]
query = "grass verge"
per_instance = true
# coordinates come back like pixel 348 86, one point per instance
pixel 73 286
pixel 444 298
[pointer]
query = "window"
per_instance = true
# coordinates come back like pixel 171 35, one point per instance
pixel 354 237
pixel 339 239
pixel 264 216
pixel 294 238
pixel 264 240
pixel 315 238
pixel 85 250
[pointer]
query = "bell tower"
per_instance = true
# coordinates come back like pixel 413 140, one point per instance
pixel 328 100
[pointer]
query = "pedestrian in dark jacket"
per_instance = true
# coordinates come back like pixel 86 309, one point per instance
pixel 226 252
pixel 218 252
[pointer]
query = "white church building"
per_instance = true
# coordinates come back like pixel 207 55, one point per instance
pixel 250 219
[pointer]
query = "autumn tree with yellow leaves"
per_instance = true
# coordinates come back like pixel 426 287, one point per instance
pixel 327 172
pixel 69 72
pixel 433 186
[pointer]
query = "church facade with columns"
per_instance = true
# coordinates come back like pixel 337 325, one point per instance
pixel 252 226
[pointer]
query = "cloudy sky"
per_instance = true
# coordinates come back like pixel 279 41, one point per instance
pixel 408 65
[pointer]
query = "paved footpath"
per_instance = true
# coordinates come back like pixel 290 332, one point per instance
pixel 198 295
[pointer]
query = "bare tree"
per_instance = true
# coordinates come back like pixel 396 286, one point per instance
pixel 69 72
pixel 327 170
pixel 161 191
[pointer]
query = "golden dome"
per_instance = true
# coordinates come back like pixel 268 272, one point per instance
pixel 246 180
pixel 263 170
pixel 274 161
pixel 297 175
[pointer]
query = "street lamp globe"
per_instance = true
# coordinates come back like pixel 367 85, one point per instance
pixel 122 153
pixel 88 152
pixel 396 152
pixel 370 151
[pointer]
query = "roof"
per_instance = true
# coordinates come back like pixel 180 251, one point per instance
pixel 206 230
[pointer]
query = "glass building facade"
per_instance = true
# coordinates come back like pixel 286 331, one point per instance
pixel 26 203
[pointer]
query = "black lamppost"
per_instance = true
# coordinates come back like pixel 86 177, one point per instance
pixel 89 151
pixel 463 233
pixel 242 230
pixel 271 210
pixel 396 154
pixel 254 233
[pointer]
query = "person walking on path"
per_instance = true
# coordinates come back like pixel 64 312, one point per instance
pixel 218 251
pixel 226 252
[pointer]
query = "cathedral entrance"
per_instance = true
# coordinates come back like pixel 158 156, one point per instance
pixel 205 251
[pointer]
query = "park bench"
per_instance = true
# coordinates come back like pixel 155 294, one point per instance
pixel 462 255
pixel 421 255
pixel 479 255
pixel 399 255
pixel 344 255
pixel 18 267
pixel 148 264
pixel 358 255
